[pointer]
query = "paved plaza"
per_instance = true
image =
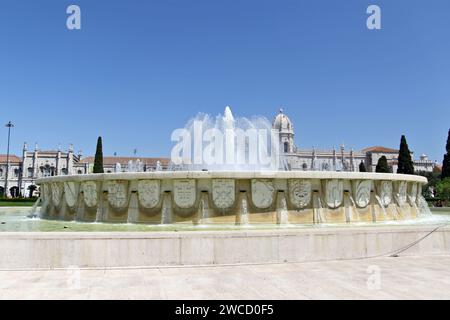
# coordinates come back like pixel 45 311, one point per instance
pixel 424 277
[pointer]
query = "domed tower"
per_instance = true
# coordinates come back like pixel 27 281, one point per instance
pixel 284 126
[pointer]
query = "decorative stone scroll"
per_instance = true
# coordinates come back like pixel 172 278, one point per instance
pixel 262 193
pixel 70 193
pixel 184 193
pixel 148 193
pixel 385 192
pixel 362 193
pixel 401 192
pixel 223 193
pixel 300 192
pixel 89 189
pixel 118 194
pixel 334 193
pixel 413 192
pixel 56 193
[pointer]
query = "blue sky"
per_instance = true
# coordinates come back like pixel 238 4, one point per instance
pixel 139 69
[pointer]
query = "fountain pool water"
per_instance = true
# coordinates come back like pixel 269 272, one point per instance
pixel 17 219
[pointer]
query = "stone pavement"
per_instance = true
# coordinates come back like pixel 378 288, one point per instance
pixel 424 277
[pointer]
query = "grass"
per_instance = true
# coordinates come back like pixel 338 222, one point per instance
pixel 16 204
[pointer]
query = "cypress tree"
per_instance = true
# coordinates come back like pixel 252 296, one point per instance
pixel 405 163
pixel 382 165
pixel 98 161
pixel 362 167
pixel 446 163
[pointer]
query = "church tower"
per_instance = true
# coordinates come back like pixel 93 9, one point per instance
pixel 283 125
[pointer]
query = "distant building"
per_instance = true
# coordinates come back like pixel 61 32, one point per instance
pixel 35 164
pixel 335 159
pixel 110 164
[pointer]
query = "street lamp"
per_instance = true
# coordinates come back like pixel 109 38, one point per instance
pixel 9 125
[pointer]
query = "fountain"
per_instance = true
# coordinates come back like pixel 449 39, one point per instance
pixel 233 174
pixel 232 183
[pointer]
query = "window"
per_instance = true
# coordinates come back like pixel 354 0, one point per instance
pixel 16 173
pixel 79 172
pixel 64 171
pixel 45 170
pixel 30 172
pixel 286 147
pixel 304 166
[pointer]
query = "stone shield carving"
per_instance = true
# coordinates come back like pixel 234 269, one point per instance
pixel 118 194
pixel 184 193
pixel 362 193
pixel 386 192
pixel 56 193
pixel 70 193
pixel 334 192
pixel 89 189
pixel 148 193
pixel 223 193
pixel 413 192
pixel 300 192
pixel 401 192
pixel 262 193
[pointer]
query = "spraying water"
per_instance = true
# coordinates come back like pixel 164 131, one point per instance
pixel 226 143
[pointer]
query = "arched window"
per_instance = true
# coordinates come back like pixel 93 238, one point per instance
pixel 31 188
pixel 45 170
pixel 14 192
pixel 80 172
pixel 305 167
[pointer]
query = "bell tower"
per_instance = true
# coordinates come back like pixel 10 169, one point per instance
pixel 283 125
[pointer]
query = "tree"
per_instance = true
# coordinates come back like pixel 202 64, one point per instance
pixel 433 179
pixel 446 163
pixel 98 161
pixel 443 189
pixel 362 167
pixel 382 165
pixel 405 163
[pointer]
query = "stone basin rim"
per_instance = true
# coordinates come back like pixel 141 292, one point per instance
pixel 322 175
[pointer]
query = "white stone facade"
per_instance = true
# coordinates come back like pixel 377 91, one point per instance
pixel 34 164
pixel 294 158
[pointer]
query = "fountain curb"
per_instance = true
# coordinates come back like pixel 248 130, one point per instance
pixel 40 250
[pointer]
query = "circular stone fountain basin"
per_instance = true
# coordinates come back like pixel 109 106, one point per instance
pixel 208 197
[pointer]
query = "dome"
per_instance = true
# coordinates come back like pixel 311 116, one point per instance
pixel 282 123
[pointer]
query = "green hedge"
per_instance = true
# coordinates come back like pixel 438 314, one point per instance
pixel 18 199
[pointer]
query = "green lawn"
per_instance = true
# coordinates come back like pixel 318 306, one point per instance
pixel 17 203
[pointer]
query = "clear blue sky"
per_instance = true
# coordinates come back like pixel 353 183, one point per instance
pixel 139 69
